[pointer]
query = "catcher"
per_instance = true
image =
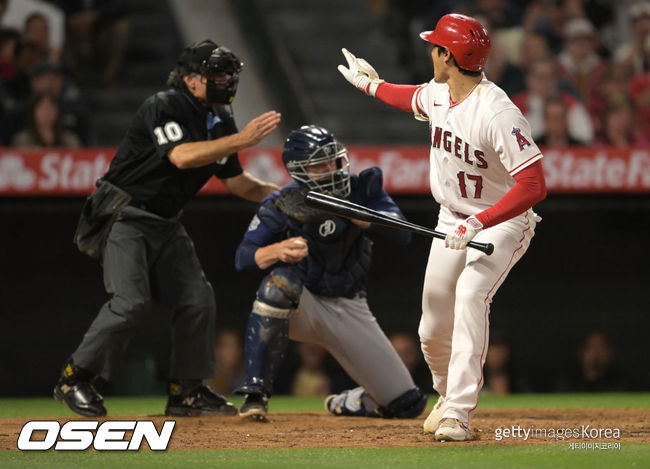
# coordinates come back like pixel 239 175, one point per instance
pixel 316 290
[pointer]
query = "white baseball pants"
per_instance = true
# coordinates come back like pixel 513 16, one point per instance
pixel 458 290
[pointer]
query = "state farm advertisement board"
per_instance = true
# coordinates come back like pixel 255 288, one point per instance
pixel 406 169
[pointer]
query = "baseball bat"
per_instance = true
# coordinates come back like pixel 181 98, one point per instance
pixel 345 208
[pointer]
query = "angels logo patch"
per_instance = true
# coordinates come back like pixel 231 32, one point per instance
pixel 521 140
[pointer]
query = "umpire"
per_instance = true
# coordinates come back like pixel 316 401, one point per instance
pixel 178 139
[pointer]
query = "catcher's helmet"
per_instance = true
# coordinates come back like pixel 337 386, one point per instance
pixel 315 158
pixel 466 38
pixel 207 58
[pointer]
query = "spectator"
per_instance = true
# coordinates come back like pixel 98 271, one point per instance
pixel 579 64
pixel 44 128
pixel 533 48
pixel 556 126
pixel 98 33
pixel 311 379
pixel 639 91
pixel 595 370
pixel 25 58
pixel 408 349
pixel 9 40
pixel 603 15
pixel 497 367
pixel 37 31
pixel 615 85
pixel 48 77
pixel 542 83
pixel 17 12
pixel 631 55
pixel 229 357
pixel 500 70
pixel 502 18
pixel 620 126
pixel 546 18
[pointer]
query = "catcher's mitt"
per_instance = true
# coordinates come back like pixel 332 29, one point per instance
pixel 292 203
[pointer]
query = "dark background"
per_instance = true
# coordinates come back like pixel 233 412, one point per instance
pixel 587 269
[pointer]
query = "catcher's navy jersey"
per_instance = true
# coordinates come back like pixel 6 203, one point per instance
pixel 339 251
pixel 166 119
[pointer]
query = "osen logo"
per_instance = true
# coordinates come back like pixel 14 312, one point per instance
pixel 80 435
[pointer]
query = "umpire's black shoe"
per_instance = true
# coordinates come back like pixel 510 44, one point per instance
pixel 199 401
pixel 75 390
pixel 255 407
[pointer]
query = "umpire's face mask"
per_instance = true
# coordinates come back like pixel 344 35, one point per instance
pixel 221 72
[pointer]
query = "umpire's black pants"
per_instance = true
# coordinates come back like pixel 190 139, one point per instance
pixel 150 261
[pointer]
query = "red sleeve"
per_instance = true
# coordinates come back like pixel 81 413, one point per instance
pixel 399 96
pixel 529 189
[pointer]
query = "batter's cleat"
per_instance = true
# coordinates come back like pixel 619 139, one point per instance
pixel 255 407
pixel 452 430
pixel 432 422
pixel 201 401
pixel 75 390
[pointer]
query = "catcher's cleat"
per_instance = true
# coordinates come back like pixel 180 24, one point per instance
pixel 255 407
pixel 201 401
pixel 352 402
pixel 433 420
pixel 75 390
pixel 452 430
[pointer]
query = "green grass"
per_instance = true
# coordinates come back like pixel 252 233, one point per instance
pixel 630 455
pixel 457 456
pixel 47 407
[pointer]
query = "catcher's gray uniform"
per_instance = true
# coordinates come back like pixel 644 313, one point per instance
pixel 348 330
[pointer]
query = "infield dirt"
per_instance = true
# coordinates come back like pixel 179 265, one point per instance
pixel 322 430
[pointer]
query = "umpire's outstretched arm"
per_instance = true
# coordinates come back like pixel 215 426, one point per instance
pixel 197 154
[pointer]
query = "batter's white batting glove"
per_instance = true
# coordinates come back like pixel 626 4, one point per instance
pixel 463 232
pixel 360 73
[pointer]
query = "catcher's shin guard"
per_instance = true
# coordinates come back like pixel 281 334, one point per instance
pixel 267 330
pixel 408 405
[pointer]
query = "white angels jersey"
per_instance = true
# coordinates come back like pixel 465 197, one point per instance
pixel 477 144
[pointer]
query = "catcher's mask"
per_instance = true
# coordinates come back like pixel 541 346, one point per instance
pixel 315 158
pixel 218 64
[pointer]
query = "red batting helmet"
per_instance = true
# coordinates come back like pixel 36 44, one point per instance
pixel 467 40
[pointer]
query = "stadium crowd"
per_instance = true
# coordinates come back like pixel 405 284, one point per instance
pixel 50 51
pixel 578 69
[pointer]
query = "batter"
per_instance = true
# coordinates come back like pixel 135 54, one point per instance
pixel 486 174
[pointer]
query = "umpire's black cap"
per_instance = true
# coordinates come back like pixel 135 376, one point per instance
pixel 194 55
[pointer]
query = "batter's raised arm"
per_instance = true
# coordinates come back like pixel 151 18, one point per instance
pixel 364 77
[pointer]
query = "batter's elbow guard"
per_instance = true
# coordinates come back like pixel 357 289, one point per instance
pixel 408 405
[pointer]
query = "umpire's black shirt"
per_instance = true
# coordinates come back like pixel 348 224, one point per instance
pixel 166 119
